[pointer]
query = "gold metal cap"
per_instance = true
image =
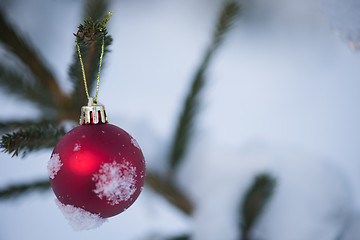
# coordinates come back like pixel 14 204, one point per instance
pixel 93 113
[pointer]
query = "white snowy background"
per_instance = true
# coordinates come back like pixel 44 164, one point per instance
pixel 282 97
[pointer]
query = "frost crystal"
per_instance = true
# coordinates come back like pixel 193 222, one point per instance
pixel 77 147
pixel 80 219
pixel 134 142
pixel 54 165
pixel 115 182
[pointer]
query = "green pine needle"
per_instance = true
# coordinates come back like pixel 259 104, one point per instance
pixel 254 202
pixel 20 189
pixel 30 139
pixel 191 107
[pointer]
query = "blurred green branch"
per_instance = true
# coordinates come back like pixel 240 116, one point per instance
pixel 191 106
pixel 182 237
pixel 21 47
pixel 6 126
pixel 254 202
pixel 20 189
pixel 170 192
pixel 24 85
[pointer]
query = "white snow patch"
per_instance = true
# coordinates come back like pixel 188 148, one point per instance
pixel 115 182
pixel 77 147
pixel 54 165
pixel 135 143
pixel 80 219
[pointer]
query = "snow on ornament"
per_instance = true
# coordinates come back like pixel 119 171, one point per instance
pixel 54 165
pixel 344 16
pixel 79 218
pixel 97 170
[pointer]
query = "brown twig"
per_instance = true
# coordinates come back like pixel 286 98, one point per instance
pixel 170 192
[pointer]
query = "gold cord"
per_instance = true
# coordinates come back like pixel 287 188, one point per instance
pixel 83 69
pixel 98 77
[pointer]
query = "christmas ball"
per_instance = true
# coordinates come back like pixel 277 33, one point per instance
pixel 98 168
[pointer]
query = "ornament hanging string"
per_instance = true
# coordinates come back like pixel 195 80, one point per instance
pixel 83 69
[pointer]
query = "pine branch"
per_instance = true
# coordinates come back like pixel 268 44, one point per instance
pixel 89 35
pixel 170 192
pixel 187 118
pixel 30 139
pixel 6 126
pixel 182 237
pixel 254 202
pixel 21 47
pixel 20 189
pixel 22 84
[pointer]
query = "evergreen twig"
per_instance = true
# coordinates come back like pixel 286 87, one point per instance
pixel 29 139
pixel 20 189
pixel 192 102
pixel 22 48
pixel 89 36
pixel 6 126
pixel 254 202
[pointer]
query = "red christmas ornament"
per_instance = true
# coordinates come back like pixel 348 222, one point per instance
pixel 97 167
